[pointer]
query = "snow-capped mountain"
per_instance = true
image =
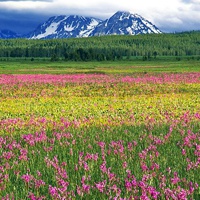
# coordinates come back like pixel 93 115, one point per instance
pixel 7 34
pixel 65 27
pixel 73 26
pixel 124 23
pixel 121 23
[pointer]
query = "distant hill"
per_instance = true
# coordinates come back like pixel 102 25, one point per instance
pixel 107 47
pixel 8 34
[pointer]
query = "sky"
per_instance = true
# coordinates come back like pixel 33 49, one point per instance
pixel 168 15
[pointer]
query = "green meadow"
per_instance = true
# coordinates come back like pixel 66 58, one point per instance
pixel 123 127
pixel 136 65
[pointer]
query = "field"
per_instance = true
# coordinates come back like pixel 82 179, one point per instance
pixel 100 130
pixel 124 67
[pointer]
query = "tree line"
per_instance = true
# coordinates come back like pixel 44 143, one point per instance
pixel 115 47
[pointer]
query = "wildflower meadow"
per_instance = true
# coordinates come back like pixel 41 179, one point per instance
pixel 100 136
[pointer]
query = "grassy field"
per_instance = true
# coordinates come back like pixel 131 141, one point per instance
pixel 109 130
pixel 45 66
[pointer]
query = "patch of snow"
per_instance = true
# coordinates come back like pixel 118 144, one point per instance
pixel 129 30
pixel 49 30
pixel 69 28
pixel 151 26
pixel 106 24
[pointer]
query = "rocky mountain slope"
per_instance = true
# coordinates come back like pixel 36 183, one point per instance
pixel 74 26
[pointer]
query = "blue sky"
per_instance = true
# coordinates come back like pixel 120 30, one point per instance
pixel 167 15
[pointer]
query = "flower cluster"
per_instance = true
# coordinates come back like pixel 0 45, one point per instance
pixel 100 136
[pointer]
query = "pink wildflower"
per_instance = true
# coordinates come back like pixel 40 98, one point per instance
pixel 27 178
pixel 101 185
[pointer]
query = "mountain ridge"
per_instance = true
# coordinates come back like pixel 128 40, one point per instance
pixel 64 27
pixel 125 23
pixel 7 34
pixel 76 26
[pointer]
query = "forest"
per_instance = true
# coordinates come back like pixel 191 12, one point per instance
pixel 115 47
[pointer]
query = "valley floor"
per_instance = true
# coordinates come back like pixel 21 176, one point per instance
pixel 118 130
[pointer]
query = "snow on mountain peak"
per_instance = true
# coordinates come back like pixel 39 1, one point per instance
pixel 121 23
pixel 64 27
pixel 124 23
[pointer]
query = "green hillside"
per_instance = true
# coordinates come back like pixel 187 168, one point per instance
pixel 105 47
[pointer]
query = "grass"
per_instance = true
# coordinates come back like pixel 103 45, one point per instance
pixel 45 66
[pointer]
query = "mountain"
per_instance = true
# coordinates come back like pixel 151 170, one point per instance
pixel 74 26
pixel 124 23
pixel 8 34
pixel 64 27
pixel 121 23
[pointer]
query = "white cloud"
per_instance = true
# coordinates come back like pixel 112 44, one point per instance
pixel 22 0
pixel 170 13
